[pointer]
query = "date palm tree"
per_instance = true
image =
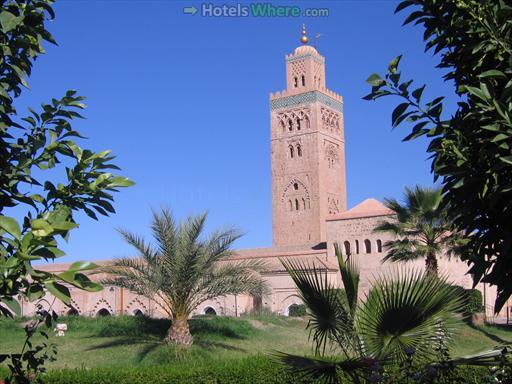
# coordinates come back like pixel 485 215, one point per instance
pixel 421 230
pixel 184 268
pixel 402 314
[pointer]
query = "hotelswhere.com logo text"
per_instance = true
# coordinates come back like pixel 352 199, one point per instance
pixel 254 10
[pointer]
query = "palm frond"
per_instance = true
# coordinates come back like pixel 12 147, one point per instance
pixel 405 249
pixel 407 312
pixel 487 358
pixel 231 278
pixel 329 319
pixel 350 278
pixel 325 370
pixel 145 250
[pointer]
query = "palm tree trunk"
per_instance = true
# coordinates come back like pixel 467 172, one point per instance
pixel 431 264
pixel 179 333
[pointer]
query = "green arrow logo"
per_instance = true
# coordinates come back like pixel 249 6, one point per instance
pixel 190 10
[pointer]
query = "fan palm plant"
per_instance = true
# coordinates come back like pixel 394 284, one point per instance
pixel 402 313
pixel 183 269
pixel 421 230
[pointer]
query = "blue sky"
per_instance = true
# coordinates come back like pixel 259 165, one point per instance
pixel 182 101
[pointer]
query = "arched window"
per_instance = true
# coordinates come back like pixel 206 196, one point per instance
pixel 306 120
pixel 295 82
pixel 291 151
pixel 290 205
pixel 210 311
pixel 103 312
pixel 290 125
pixel 298 124
pixel 299 150
pixel 296 186
pixel 368 246
pixel 138 312
pixel 346 244
pixel 357 247
pixel 379 246
pixel 304 204
pixel 303 81
pixel 296 204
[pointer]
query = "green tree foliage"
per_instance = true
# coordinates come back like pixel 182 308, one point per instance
pixel 471 150
pixel 46 177
pixel 422 229
pixel 399 333
pixel 183 269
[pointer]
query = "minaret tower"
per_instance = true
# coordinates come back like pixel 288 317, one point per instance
pixel 308 151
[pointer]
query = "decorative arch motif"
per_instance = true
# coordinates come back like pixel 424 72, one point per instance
pixel 102 304
pixel 333 206
pixel 73 306
pixel 295 196
pixel 331 155
pixel 330 120
pixel 294 120
pixel 136 304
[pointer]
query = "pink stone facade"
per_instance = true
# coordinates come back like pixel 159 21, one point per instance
pixel 308 203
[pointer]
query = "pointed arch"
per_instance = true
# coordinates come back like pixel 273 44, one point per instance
pixel 299 150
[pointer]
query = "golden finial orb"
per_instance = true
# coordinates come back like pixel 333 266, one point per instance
pixel 304 39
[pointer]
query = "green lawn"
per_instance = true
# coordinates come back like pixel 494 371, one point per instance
pixel 131 341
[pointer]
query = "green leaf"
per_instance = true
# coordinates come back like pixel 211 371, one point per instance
pixel 41 227
pixel 476 92
pixel 9 225
pixel 500 137
pixel 375 80
pixel 60 291
pixel 120 181
pixel 506 159
pixel 8 21
pixel 399 110
pixel 12 304
pixel 418 92
pixel 82 266
pixel 35 292
pixel 393 65
pixel 64 226
pixel 492 73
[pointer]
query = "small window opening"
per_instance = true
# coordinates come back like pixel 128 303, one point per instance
pixel 303 81
pixel 368 246
pixel 346 244
pixel 379 246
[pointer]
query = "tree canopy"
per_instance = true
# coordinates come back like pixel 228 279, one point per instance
pixel 471 149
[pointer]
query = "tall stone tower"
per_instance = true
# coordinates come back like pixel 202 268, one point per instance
pixel 308 151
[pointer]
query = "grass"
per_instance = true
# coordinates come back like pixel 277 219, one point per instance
pixel 136 341
pixel 129 341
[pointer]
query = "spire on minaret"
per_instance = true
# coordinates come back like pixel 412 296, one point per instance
pixel 304 39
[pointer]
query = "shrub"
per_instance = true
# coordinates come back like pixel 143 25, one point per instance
pixel 474 301
pixel 297 310
pixel 254 370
